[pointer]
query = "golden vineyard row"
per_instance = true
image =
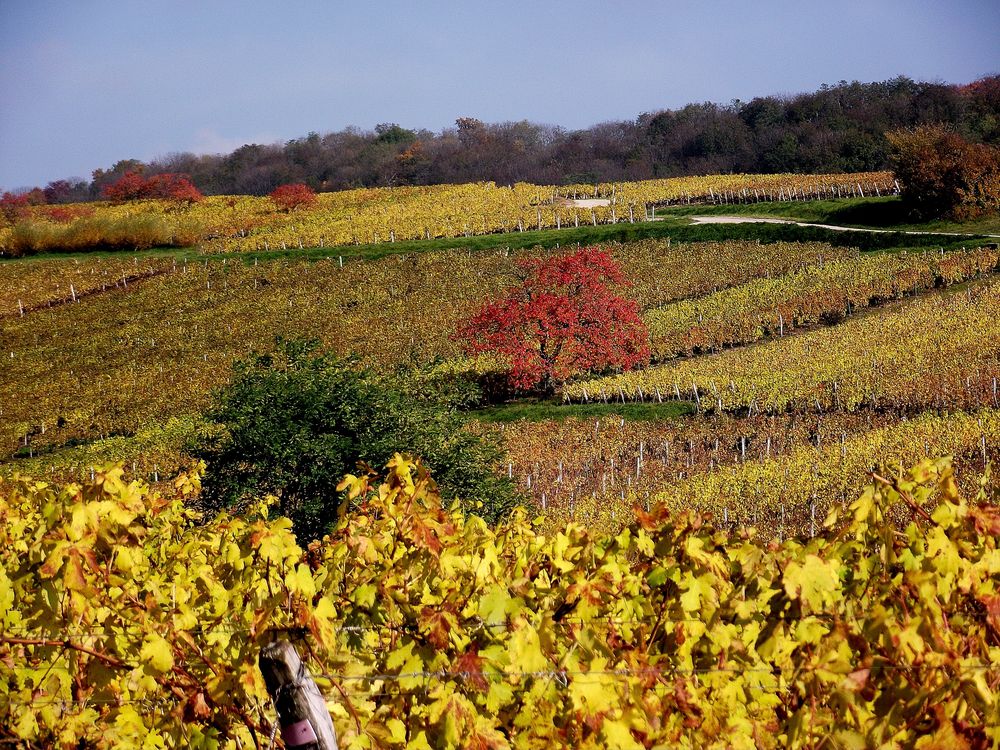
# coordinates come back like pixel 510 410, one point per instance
pixel 662 271
pixel 130 622
pixel 939 351
pixel 142 352
pixel 825 292
pixel 780 492
pixel 373 215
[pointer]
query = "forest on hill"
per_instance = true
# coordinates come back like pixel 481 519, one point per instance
pixel 838 128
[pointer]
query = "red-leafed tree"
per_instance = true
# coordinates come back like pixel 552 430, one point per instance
pixel 290 197
pixel 172 187
pixel 167 186
pixel 564 319
pixel 129 187
pixel 13 207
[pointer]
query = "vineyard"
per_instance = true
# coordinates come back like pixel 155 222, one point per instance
pixel 827 292
pixel 124 370
pixel 934 352
pixel 779 474
pixel 779 530
pixel 153 348
pixel 373 215
pixel 126 624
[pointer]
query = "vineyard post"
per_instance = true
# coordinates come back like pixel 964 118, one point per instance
pixel 302 712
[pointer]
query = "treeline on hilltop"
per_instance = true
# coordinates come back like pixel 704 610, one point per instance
pixel 835 129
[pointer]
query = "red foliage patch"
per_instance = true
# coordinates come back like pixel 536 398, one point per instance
pixel 66 214
pixel 563 320
pixel 168 186
pixel 290 197
pixel 13 207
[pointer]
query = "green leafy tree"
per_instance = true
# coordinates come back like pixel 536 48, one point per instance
pixel 294 423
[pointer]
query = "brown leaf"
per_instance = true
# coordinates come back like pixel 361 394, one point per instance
pixel 437 627
pixel 196 708
pixel 470 666
pixel 987 519
pixel 992 604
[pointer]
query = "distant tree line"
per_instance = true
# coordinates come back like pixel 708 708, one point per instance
pixel 838 128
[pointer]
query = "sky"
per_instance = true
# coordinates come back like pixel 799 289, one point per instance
pixel 84 83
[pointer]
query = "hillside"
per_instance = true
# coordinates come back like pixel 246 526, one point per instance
pixel 727 540
pixel 839 128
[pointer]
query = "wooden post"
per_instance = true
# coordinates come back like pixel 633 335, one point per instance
pixel 302 713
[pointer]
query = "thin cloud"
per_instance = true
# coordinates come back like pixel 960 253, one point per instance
pixel 210 141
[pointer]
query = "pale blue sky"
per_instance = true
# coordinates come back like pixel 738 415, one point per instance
pixel 84 83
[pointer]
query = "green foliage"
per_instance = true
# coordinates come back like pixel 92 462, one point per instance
pixel 124 624
pixel 293 423
pixel 537 411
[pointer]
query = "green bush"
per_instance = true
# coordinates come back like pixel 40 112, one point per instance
pixel 294 423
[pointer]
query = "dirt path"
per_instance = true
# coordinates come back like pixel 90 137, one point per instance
pixel 758 220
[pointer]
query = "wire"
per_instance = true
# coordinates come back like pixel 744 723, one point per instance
pixel 560 677
pixel 406 627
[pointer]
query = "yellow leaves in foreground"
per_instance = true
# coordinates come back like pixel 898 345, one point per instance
pixel 430 630
pixel 813 581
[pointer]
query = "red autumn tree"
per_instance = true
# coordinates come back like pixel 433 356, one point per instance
pixel 290 197
pixel 564 319
pixel 167 186
pixel 129 187
pixel 172 187
pixel 13 207
pixel 942 174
